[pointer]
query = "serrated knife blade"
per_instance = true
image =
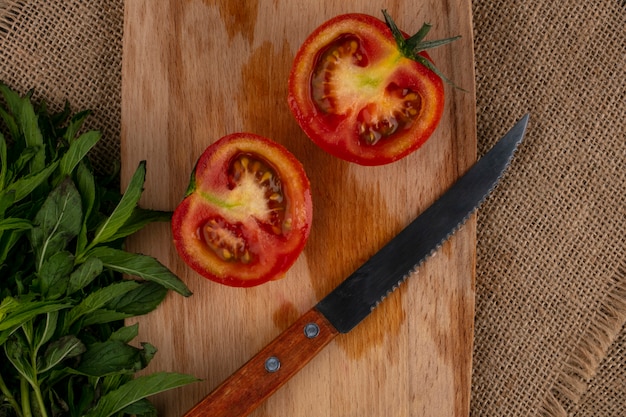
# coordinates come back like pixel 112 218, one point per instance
pixel 355 298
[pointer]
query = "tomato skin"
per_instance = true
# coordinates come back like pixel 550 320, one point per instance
pixel 337 132
pixel 225 211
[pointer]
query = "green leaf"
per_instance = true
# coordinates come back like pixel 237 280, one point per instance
pixel 126 333
pixel 102 316
pixel 108 358
pixel 77 151
pixel 139 265
pixel 6 201
pixel 98 299
pixel 87 187
pixel 28 124
pixel 147 353
pixel 7 306
pixel 7 242
pixel 54 275
pixel 57 222
pixel 15 313
pixel 66 347
pixel 84 275
pixel 15 223
pixel 113 382
pixel 26 185
pixel 138 389
pixel 74 126
pixel 139 219
pixel 45 330
pixel 18 352
pixel 143 408
pixel 80 396
pixel 20 163
pixel 107 230
pixel 10 122
pixel 3 161
pixel 140 300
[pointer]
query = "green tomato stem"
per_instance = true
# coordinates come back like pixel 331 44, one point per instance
pixel 411 47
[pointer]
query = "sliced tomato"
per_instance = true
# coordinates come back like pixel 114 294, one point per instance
pixel 247 212
pixel 364 91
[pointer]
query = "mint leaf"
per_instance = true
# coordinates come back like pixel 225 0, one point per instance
pixel 126 333
pixel 102 316
pixel 55 297
pixel 138 389
pixel 20 164
pixel 3 161
pixel 142 408
pixel 15 313
pixel 84 275
pixel 10 123
pixel 107 230
pixel 86 184
pixel 114 357
pixel 54 275
pixel 17 350
pixel 14 223
pixel 27 122
pixel 24 186
pixel 139 265
pixel 66 347
pixel 98 299
pixel 74 125
pixel 77 151
pixel 57 222
pixel 140 300
pixel 139 219
pixel 45 330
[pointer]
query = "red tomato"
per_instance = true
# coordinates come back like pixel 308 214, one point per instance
pixel 247 212
pixel 360 91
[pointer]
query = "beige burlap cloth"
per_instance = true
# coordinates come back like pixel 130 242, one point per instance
pixel 550 336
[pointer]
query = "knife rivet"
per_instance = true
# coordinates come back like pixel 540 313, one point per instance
pixel 311 330
pixel 272 364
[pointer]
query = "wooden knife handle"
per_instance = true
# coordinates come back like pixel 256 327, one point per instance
pixel 269 369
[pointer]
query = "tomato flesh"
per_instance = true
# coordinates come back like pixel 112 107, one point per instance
pixel 247 213
pixel 255 175
pixel 226 240
pixel 358 97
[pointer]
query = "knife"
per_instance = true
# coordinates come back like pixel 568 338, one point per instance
pixel 356 297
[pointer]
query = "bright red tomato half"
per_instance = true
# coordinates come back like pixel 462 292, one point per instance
pixel 247 212
pixel 361 91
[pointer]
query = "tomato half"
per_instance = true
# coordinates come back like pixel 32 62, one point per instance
pixel 361 92
pixel 247 212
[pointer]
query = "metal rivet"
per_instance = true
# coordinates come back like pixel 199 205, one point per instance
pixel 311 330
pixel 272 364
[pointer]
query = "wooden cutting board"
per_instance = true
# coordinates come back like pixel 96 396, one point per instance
pixel 194 71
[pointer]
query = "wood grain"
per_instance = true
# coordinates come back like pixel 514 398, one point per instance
pixel 194 71
pixel 269 369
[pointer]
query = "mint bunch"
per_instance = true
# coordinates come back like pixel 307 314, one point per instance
pixel 64 347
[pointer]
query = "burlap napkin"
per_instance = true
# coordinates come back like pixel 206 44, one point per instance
pixel 550 336
pixel 68 50
pixel 551 283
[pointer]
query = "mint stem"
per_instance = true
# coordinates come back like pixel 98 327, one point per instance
pixel 25 397
pixel 9 397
